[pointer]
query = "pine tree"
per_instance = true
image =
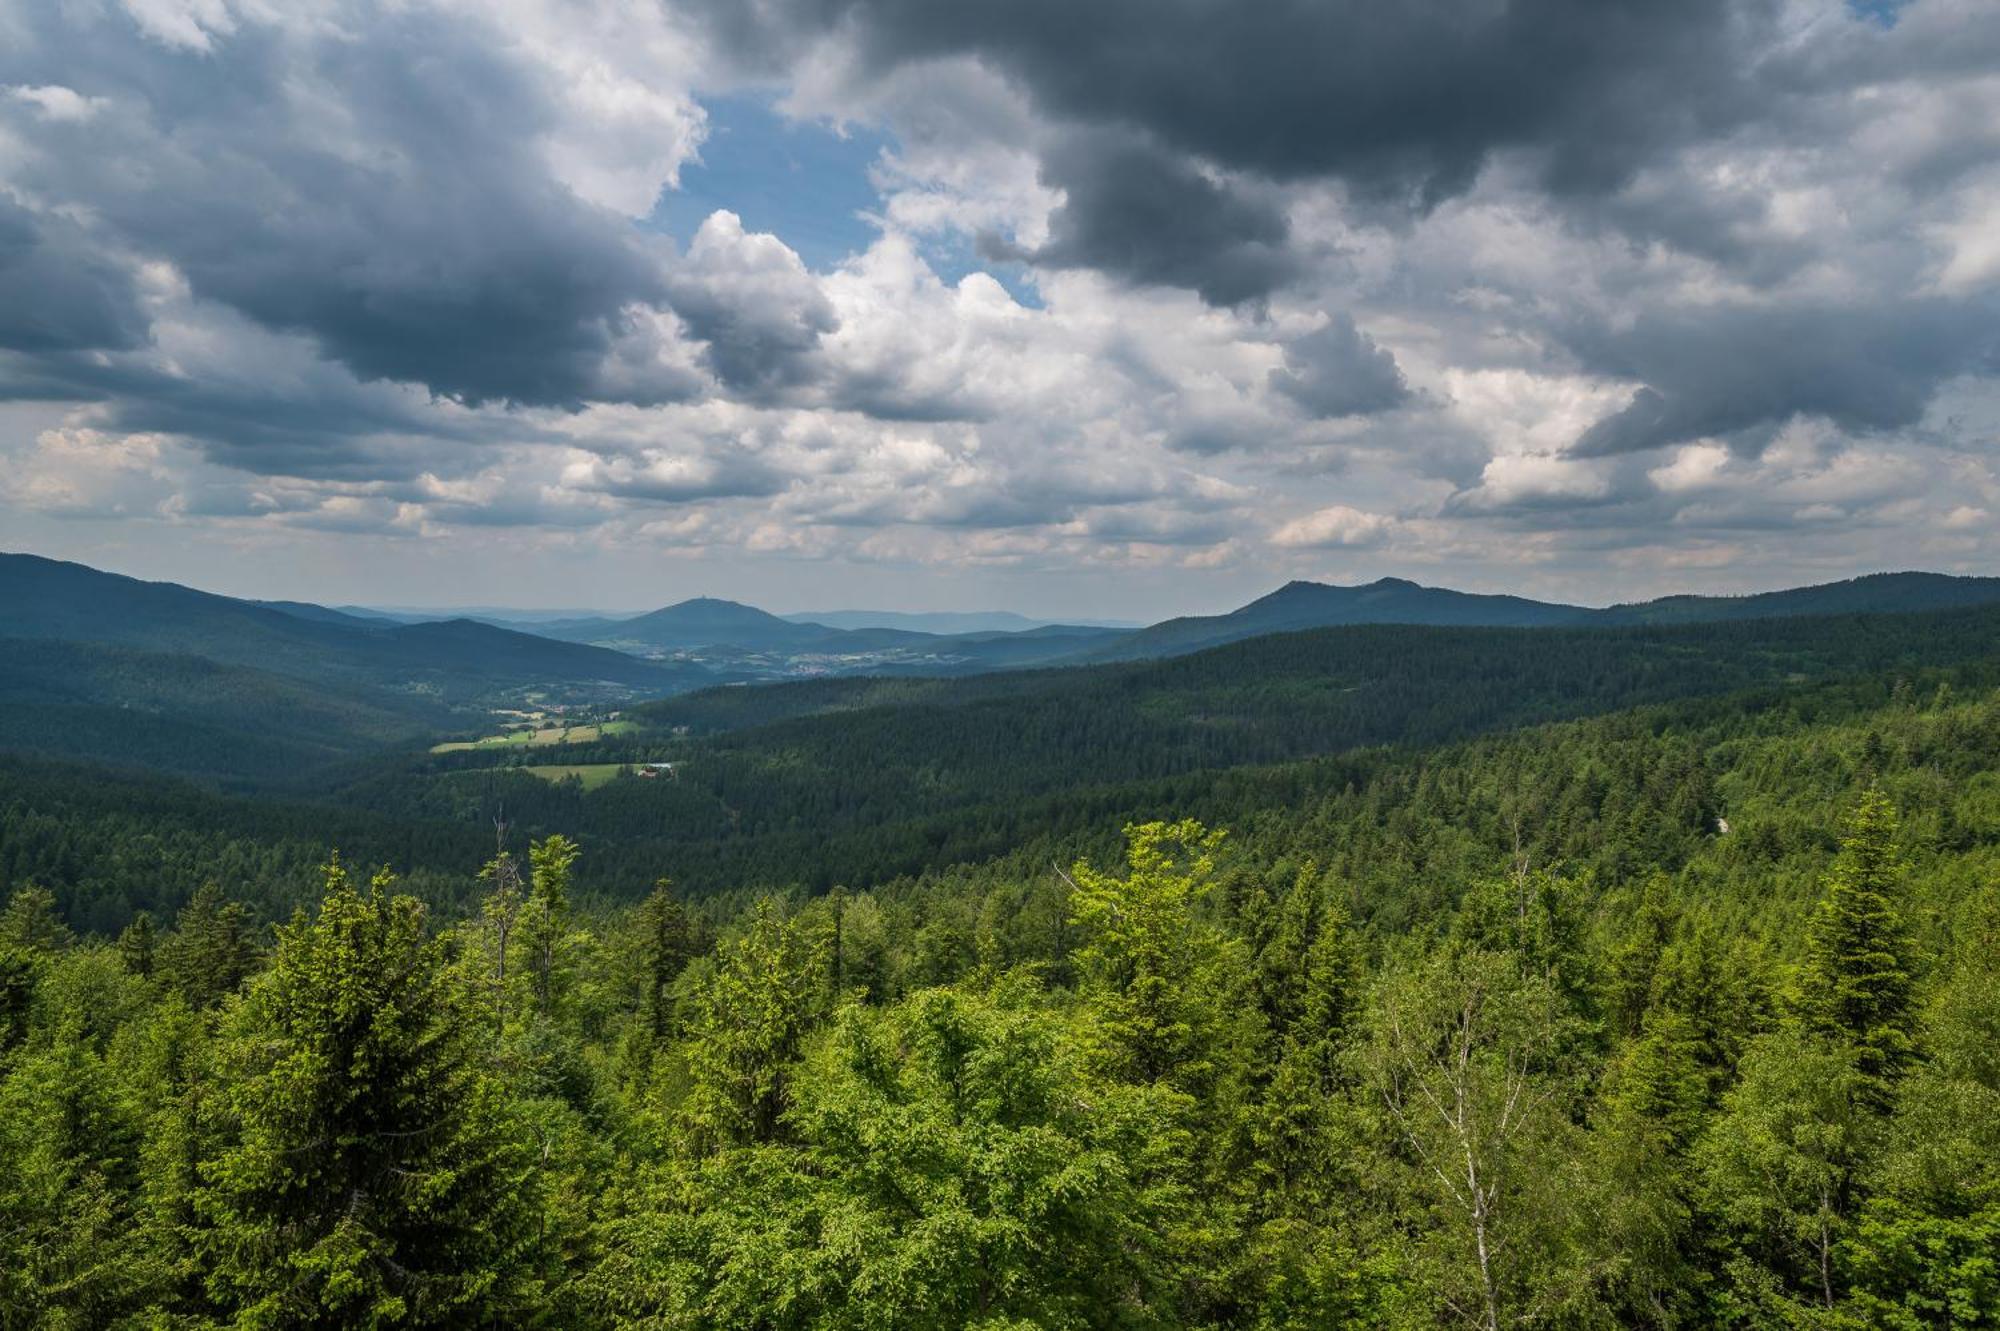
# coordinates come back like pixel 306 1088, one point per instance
pixel 544 919
pixel 1628 980
pixel 1925 1245
pixel 767 993
pixel 31 922
pixel 66 1161
pixel 135 945
pixel 1151 965
pixel 211 950
pixel 369 1171
pixel 1855 983
pixel 667 940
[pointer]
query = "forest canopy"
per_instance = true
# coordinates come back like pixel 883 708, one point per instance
pixel 1679 1017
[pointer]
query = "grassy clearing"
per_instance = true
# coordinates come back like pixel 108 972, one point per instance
pixel 592 775
pixel 537 737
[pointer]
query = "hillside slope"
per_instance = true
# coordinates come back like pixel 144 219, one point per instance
pixel 188 715
pixel 456 660
pixel 1877 593
pixel 816 781
pixel 1314 605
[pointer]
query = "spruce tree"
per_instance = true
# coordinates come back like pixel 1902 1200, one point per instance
pixel 31 922
pixel 667 942
pixel 767 993
pixel 369 1171
pixel 136 945
pixel 211 951
pixel 1160 978
pixel 544 920
pixel 1854 986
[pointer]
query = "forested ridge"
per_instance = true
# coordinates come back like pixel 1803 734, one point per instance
pixel 1682 1016
pixel 854 781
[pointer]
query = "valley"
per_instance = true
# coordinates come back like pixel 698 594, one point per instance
pixel 1206 874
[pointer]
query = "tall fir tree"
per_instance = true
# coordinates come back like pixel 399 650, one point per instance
pixel 1855 983
pixel 212 949
pixel 369 1171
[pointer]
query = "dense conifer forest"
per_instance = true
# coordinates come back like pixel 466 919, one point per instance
pixel 1682 1015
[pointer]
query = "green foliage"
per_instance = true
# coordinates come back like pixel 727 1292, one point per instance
pixel 366 1168
pixel 1926 1248
pixel 1467 1056
pixel 1159 979
pixel 1779 1166
pixel 766 993
pixel 1651 1019
pixel 954 1162
pixel 211 950
pixel 545 918
pixel 1855 983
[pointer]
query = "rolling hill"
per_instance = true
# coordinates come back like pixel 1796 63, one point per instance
pixel 1316 605
pixel 457 661
pixel 1312 605
pixel 823 781
pixel 704 621
pixel 1876 593
pixel 728 634
pixel 191 716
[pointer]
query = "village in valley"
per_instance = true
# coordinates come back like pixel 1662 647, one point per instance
pixel 541 725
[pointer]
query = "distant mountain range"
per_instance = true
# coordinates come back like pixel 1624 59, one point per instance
pixel 1874 594
pixel 708 640
pixel 728 635
pixel 451 661
pixel 1314 605
pixel 101 666
pixel 948 621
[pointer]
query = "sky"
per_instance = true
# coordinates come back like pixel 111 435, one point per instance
pixel 1075 307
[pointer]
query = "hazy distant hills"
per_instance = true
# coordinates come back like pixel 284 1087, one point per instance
pixel 947 622
pixel 1876 593
pixel 873 647
pixel 727 634
pixel 702 622
pixel 715 640
pixel 1315 605
pixel 96 665
pixel 450 661
pixel 1312 605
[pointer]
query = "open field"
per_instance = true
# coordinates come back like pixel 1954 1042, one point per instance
pixel 592 775
pixel 536 736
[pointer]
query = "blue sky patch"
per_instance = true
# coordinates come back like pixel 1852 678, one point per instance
pixel 798 179
pixel 806 183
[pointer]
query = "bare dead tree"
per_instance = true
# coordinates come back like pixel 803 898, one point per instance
pixel 503 902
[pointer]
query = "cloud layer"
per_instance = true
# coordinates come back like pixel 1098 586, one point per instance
pixel 1582 298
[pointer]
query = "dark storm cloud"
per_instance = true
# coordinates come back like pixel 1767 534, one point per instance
pixel 56 294
pixel 322 424
pixel 1339 370
pixel 1721 372
pixel 374 192
pixel 1402 100
pixel 761 344
pixel 1150 217
pixel 690 478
